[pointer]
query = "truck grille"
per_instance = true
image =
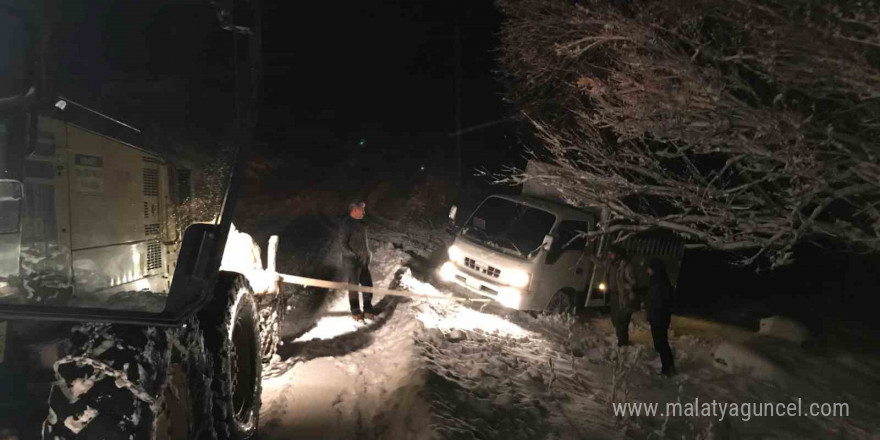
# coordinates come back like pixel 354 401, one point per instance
pixel 154 255
pixel 152 229
pixel 151 182
pixel 484 269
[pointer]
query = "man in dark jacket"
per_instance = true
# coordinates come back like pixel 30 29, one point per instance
pixel 621 290
pixel 660 300
pixel 356 258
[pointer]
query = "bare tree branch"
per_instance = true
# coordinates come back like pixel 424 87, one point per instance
pixel 743 125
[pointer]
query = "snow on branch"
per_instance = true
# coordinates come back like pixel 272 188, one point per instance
pixel 741 125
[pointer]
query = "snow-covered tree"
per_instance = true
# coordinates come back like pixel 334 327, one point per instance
pixel 742 125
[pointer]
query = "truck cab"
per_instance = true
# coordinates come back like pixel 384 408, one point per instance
pixel 117 156
pixel 123 133
pixel 520 250
pixel 93 222
pixel 530 251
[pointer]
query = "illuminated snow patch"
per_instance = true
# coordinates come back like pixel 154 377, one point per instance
pixel 408 282
pixel 463 318
pixel 330 327
pixel 450 315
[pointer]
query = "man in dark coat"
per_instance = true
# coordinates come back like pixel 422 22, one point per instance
pixel 621 290
pixel 356 258
pixel 660 301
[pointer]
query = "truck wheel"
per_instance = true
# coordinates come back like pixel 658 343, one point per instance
pixel 561 302
pixel 232 337
pixel 185 409
pixel 112 384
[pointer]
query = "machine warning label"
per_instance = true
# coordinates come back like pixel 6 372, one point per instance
pixel 2 340
pixel 88 174
pixel 84 160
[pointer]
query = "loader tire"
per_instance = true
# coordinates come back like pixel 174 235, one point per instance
pixel 114 382
pixel 234 344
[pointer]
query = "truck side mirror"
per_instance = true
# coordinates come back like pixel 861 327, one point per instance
pixel 548 242
pixel 452 211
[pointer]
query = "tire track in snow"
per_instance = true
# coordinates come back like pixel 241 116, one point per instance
pixel 370 392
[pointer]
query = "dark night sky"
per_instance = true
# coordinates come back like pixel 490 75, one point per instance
pixel 333 74
pixel 381 70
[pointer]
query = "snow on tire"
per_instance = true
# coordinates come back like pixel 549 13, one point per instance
pixel 232 338
pixel 111 384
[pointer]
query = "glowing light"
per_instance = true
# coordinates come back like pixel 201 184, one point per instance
pixel 509 298
pixel 447 271
pixel 455 254
pixel 602 286
pixel 515 277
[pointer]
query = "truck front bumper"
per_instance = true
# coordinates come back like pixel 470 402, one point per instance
pixel 507 296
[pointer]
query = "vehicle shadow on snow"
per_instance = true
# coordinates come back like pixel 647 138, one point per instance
pixel 302 351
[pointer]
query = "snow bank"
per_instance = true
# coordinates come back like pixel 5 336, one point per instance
pixel 784 328
pixel 243 255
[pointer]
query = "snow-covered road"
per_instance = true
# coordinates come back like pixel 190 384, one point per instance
pixel 362 381
pixel 444 369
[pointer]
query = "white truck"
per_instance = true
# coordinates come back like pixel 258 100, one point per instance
pixel 527 251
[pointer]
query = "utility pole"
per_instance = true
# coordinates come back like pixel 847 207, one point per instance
pixel 458 101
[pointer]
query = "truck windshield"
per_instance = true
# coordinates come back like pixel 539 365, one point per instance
pixel 510 226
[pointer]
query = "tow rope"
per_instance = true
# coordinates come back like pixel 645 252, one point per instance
pixel 314 282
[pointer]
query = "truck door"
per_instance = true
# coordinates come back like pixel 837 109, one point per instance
pixel 564 264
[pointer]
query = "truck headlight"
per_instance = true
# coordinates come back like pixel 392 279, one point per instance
pixel 509 298
pixel 447 271
pixel 455 254
pixel 515 277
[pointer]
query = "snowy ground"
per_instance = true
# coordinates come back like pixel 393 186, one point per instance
pixel 445 369
pixel 455 370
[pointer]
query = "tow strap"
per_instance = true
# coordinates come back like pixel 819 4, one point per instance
pixel 313 282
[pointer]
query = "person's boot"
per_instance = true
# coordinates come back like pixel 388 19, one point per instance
pixel 371 313
pixel 358 317
pixel 668 371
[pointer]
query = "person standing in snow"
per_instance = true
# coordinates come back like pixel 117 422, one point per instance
pixel 621 290
pixel 660 300
pixel 356 259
